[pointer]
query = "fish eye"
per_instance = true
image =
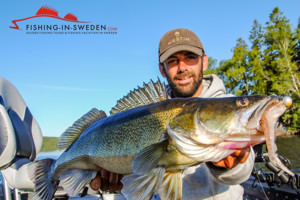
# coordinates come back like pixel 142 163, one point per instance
pixel 242 102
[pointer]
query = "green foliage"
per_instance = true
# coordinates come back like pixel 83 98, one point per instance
pixel 49 144
pixel 270 66
pixel 235 71
pixel 212 66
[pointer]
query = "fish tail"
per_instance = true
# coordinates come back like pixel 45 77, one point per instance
pixel 41 173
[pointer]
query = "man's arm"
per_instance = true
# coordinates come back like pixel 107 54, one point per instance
pixel 234 169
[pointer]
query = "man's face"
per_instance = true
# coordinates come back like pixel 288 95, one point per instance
pixel 184 72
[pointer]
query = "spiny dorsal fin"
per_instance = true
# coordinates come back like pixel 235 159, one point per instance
pixel 74 131
pixel 148 94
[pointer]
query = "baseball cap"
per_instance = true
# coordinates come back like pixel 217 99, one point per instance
pixel 179 40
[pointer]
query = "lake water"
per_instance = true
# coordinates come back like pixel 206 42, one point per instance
pixel 288 147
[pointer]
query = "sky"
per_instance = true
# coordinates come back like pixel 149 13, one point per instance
pixel 63 76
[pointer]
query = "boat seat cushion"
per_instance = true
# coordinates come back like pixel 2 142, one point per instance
pixel 25 143
pixel 7 139
pixel 20 134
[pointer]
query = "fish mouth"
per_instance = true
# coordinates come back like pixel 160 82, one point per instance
pixel 274 105
pixel 254 133
pixel 254 119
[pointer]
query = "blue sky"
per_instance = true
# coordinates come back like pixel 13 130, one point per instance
pixel 61 77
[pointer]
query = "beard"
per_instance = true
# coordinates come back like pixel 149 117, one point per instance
pixel 186 90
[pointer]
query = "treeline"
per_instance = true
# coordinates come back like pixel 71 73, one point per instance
pixel 270 65
pixel 49 144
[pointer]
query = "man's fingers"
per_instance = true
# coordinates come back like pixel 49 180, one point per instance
pixel 113 178
pixel 95 184
pixel 107 181
pixel 245 155
pixel 230 162
pixel 104 179
pixel 115 182
pixel 239 156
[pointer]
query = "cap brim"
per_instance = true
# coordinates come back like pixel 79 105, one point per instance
pixel 178 48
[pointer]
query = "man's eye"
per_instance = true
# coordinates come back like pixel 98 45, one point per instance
pixel 191 57
pixel 171 61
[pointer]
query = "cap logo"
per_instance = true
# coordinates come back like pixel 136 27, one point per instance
pixel 178 38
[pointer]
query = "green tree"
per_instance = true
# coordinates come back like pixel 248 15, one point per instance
pixel 270 66
pixel 212 66
pixel 235 72
pixel 279 58
pixel 280 43
pixel 256 66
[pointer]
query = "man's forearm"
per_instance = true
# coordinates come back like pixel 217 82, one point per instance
pixel 236 175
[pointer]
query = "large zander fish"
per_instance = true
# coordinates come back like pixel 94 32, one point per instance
pixel 150 139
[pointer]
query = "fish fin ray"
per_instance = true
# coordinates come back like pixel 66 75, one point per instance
pixel 171 186
pixel 74 180
pixel 79 126
pixel 151 92
pixel 148 158
pixel 143 186
pixel 41 172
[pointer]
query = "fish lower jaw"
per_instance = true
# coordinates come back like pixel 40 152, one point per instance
pixel 240 143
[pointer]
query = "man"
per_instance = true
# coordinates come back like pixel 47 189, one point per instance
pixel 182 61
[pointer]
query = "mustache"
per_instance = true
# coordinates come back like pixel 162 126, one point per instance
pixel 184 74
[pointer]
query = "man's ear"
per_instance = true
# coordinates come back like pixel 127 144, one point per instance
pixel 162 70
pixel 205 62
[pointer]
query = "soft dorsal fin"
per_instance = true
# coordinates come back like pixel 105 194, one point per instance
pixel 148 94
pixel 74 131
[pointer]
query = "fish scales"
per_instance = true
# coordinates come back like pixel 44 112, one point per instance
pixel 143 127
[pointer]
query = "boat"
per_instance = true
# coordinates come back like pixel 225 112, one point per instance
pixel 271 182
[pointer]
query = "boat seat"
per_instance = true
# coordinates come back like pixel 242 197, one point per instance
pixel 20 137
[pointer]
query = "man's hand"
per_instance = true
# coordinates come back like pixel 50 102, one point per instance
pixel 107 181
pixel 239 156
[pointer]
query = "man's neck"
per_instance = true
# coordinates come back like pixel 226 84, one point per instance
pixel 198 92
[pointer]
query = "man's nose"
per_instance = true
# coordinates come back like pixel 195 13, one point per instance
pixel 181 66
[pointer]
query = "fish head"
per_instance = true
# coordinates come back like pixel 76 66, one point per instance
pixel 213 120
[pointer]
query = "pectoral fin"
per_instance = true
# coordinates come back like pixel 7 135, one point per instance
pixel 148 158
